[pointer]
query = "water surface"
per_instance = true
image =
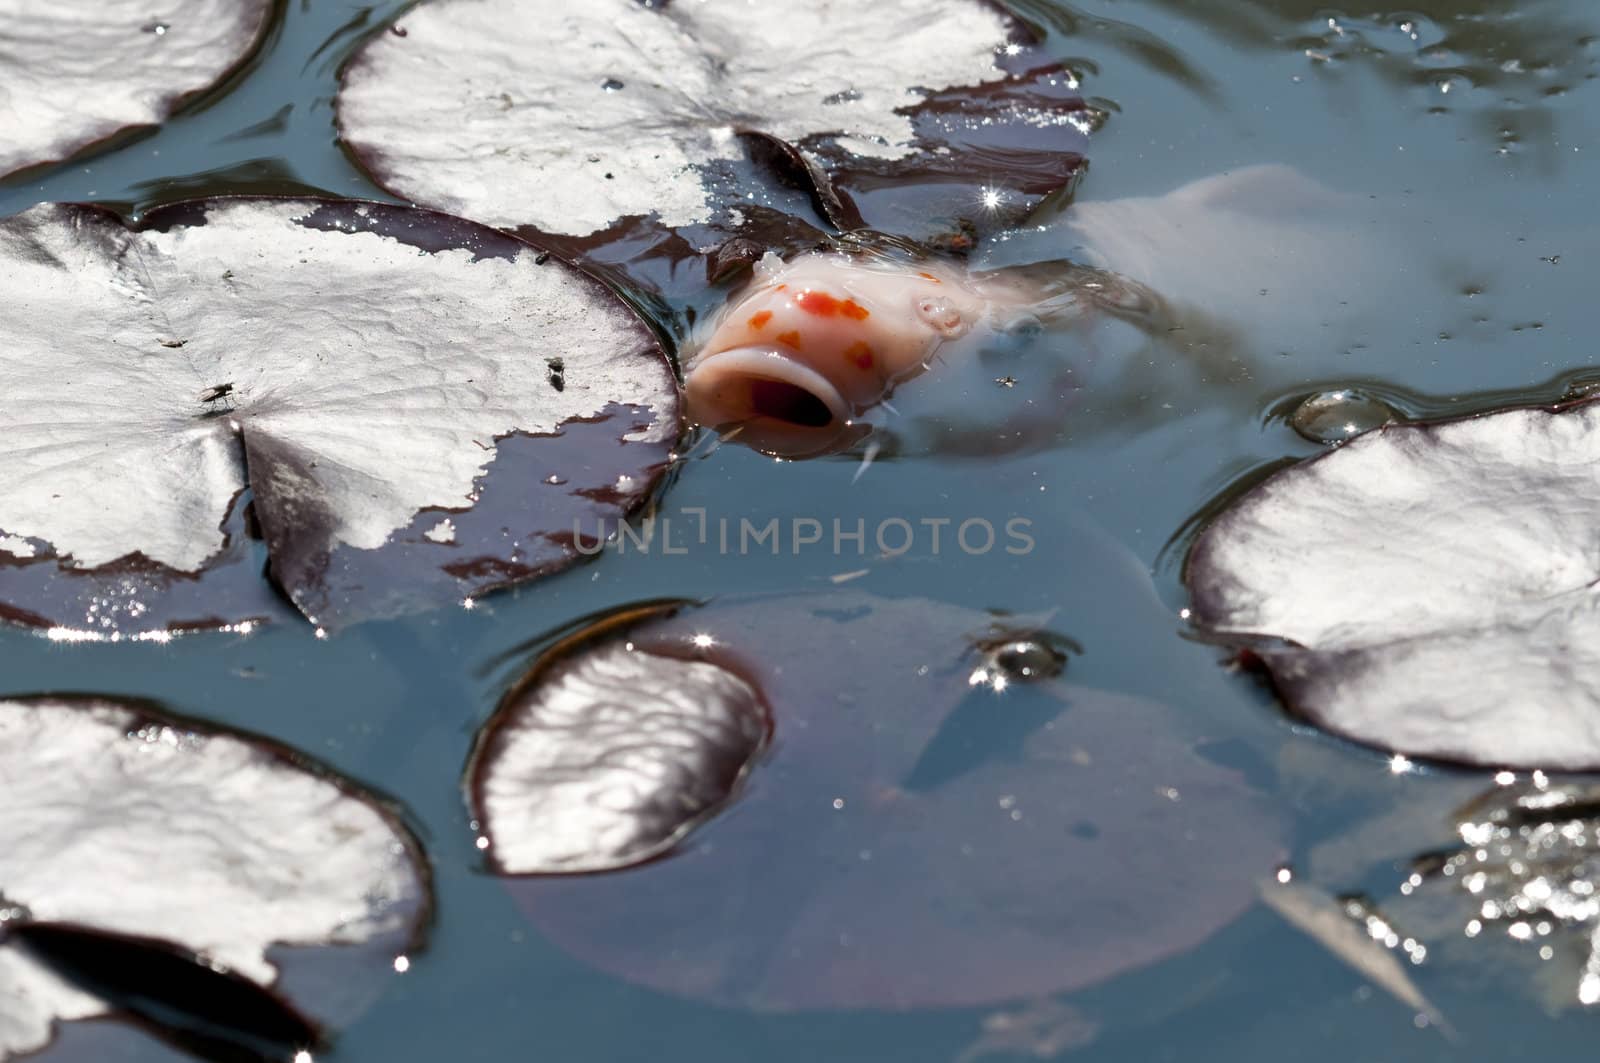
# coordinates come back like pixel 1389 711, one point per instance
pixel 1467 127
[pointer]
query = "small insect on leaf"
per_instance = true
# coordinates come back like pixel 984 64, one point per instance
pixel 215 392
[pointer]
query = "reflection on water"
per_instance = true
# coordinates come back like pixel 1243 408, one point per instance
pixel 1458 139
pixel 1527 869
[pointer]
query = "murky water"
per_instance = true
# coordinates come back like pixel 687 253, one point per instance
pixel 1468 132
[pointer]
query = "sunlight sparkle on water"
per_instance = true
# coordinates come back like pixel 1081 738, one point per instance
pixel 73 634
pixel 993 679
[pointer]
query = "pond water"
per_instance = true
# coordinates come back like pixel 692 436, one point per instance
pixel 1469 130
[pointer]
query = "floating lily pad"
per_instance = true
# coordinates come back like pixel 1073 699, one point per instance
pixel 938 820
pixel 604 759
pixel 422 409
pixel 1434 583
pixel 141 852
pixel 74 73
pixel 913 117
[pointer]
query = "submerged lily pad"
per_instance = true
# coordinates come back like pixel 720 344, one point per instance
pixel 909 116
pixel 76 72
pixel 1435 584
pixel 938 821
pixel 422 409
pixel 139 848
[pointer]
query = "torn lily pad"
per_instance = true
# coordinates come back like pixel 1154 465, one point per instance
pixel 421 408
pixel 260 865
pixel 928 828
pixel 77 72
pixel 910 117
pixel 1432 587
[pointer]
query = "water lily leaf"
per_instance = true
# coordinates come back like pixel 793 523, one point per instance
pixel 227 853
pixel 422 409
pixel 1434 583
pixel 77 72
pixel 605 759
pixel 938 820
pixel 912 117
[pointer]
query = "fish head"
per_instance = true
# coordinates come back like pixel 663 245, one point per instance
pixel 810 343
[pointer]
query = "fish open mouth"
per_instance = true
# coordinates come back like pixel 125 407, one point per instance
pixel 782 406
pixel 789 403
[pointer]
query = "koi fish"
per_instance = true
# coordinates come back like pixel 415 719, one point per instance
pixel 812 343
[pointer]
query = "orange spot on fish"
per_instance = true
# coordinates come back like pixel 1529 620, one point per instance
pixel 854 310
pixel 758 320
pixel 790 338
pixel 931 277
pixel 860 354
pixel 820 304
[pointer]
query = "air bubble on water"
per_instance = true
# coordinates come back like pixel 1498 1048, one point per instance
pixel 158 28
pixel 1331 417
pixel 1020 657
pixel 1028 659
pixel 1582 388
pixel 612 85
